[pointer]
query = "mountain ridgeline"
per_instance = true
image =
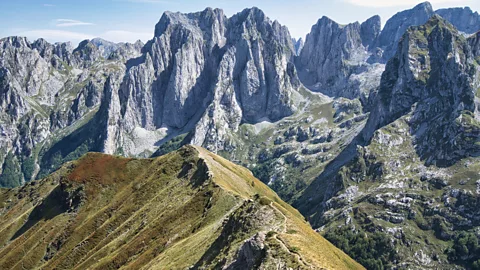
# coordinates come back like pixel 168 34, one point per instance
pixel 189 209
pixel 372 134
pixel 413 165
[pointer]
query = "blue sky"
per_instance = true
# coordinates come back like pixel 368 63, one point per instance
pixel 129 20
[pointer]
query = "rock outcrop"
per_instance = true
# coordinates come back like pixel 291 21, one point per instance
pixel 298 45
pixel 334 58
pixel 424 122
pixel 464 19
pixel 239 69
pixel 48 91
pixel 187 209
pixel 396 26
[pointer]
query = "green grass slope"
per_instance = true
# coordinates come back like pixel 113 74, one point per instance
pixel 189 209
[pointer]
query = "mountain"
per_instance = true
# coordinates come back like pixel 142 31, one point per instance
pixel 61 102
pixel 240 70
pixel 48 91
pixel 334 58
pixel 411 173
pixel 464 19
pixel 298 45
pixel 375 140
pixel 188 209
pixel 348 60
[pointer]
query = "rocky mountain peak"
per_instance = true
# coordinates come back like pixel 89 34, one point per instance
pixel 425 7
pixel 425 72
pixel 239 69
pixel 326 41
pixel 298 45
pixel 14 41
pixel 396 26
pixel 253 23
pixel 43 47
pixel 203 20
pixel 334 57
pixel 252 14
pixel 464 19
pixel 369 31
pixel 86 53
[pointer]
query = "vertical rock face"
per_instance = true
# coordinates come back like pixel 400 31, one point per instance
pixel 421 139
pixel 464 19
pixel 347 61
pixel 47 91
pixel 429 85
pixel 262 52
pixel 326 48
pixel 370 30
pixel 298 45
pixel 169 87
pixel 434 69
pixel 256 78
pixel 396 26
pixel 474 42
pixel 205 71
pixel 334 58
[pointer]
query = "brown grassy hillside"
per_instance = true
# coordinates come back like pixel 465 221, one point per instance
pixel 189 209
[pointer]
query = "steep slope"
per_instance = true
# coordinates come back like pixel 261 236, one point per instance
pixel 435 68
pixel 410 175
pixel 239 70
pixel 347 60
pixel 464 19
pixel 334 58
pixel 298 45
pixel 47 92
pixel 188 209
pixel 396 26
pixel 202 74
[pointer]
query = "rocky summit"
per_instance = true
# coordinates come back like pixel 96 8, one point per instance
pixel 407 172
pixel 372 133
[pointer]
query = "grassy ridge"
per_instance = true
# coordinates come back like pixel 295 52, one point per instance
pixel 189 208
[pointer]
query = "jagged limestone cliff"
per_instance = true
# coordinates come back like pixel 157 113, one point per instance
pixel 204 73
pixel 411 171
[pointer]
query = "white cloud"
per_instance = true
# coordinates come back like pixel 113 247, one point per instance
pixel 396 3
pixel 70 22
pixel 48 5
pixel 126 36
pixel 55 35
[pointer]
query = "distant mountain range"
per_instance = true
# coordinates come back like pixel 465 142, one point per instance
pixel 373 134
